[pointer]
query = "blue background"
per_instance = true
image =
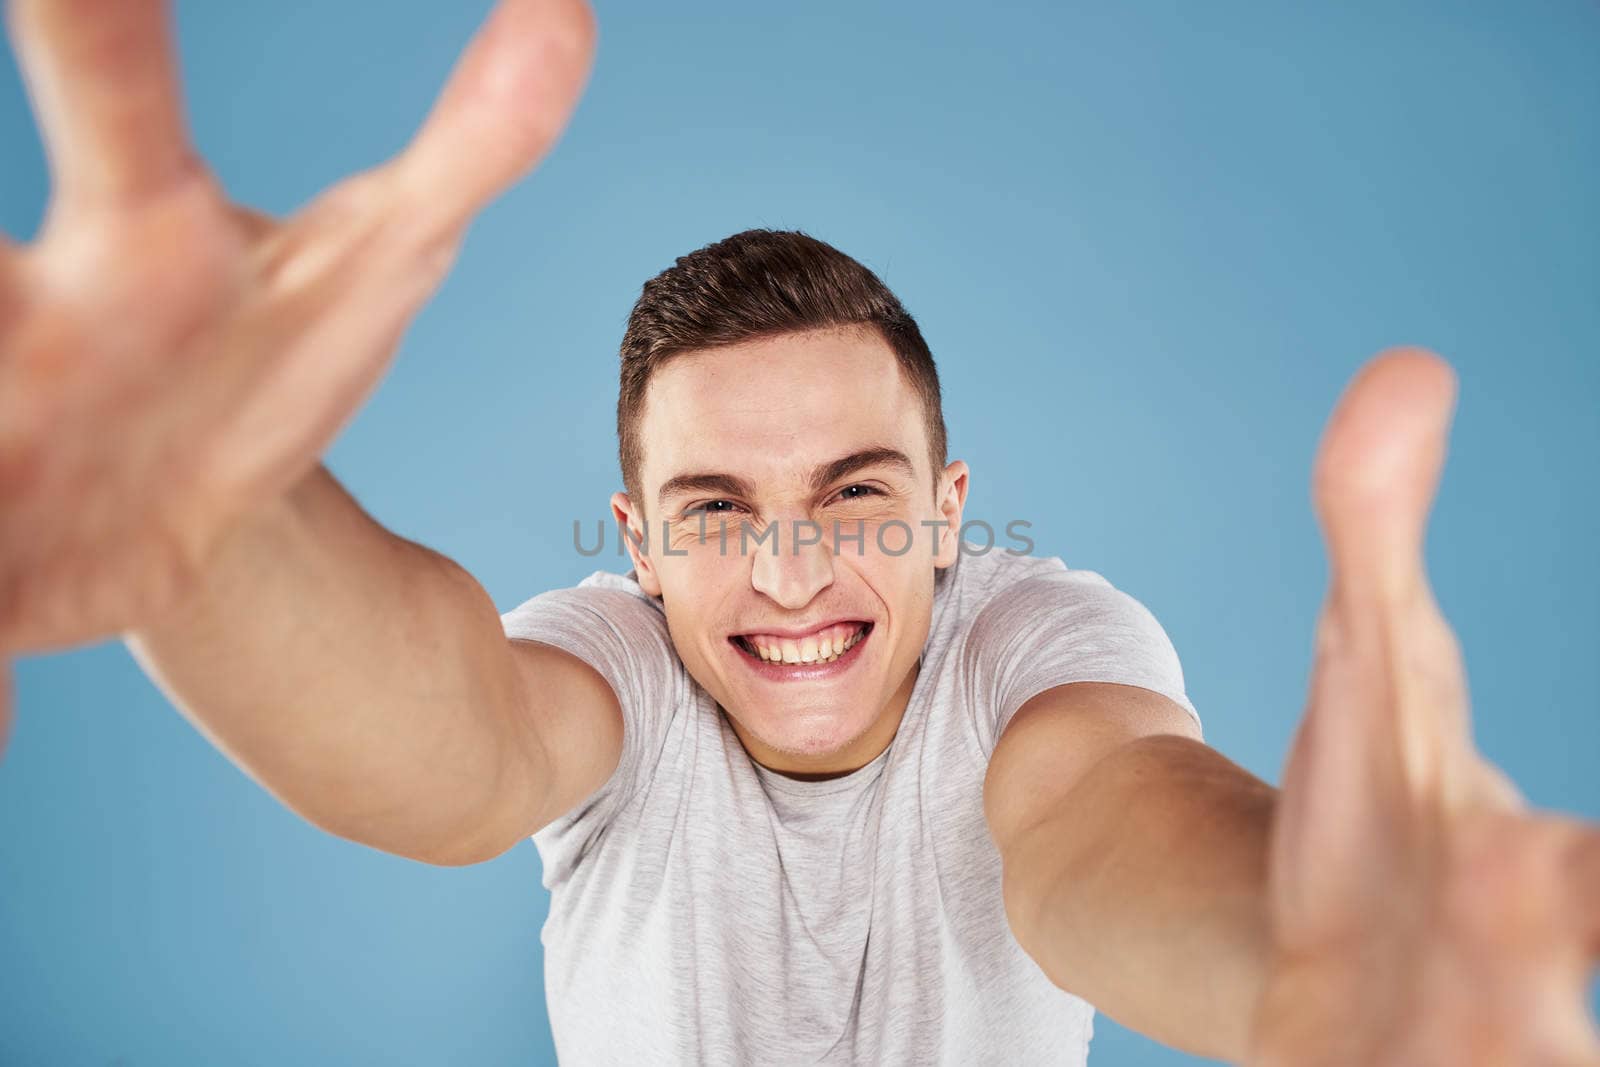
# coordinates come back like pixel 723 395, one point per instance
pixel 1149 246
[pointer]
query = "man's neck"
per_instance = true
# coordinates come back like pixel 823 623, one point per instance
pixel 860 752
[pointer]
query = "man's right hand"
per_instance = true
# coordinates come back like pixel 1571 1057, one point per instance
pixel 170 362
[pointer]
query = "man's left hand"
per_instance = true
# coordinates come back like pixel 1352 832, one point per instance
pixel 1420 914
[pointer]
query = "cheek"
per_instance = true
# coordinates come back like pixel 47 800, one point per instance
pixel 697 589
pixel 904 586
pixel 896 537
pixel 719 538
pixel 894 583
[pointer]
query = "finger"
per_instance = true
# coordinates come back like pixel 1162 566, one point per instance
pixel 10 264
pixel 105 87
pixel 10 284
pixel 1584 863
pixel 254 225
pixel 1387 694
pixel 503 108
pixel 1494 790
pixel 1377 472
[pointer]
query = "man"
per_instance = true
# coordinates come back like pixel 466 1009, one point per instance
pixel 812 673
pixel 990 809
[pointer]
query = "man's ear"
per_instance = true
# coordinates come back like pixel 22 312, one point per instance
pixel 636 534
pixel 952 498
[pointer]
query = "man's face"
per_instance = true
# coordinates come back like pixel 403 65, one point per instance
pixel 789 439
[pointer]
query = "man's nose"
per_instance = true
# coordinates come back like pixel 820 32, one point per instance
pixel 801 567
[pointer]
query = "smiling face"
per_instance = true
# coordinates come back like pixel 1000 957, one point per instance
pixel 788 439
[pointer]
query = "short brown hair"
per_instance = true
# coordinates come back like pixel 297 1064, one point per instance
pixel 755 284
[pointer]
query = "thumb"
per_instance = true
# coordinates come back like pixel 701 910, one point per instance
pixel 1376 475
pixel 1389 676
pixel 1387 700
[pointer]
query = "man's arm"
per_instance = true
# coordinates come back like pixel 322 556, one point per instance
pixel 172 368
pixel 1395 903
pixel 1134 861
pixel 366 681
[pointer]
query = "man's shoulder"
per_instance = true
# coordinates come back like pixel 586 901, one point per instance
pixel 602 597
pixel 979 575
pixel 620 583
pixel 1007 591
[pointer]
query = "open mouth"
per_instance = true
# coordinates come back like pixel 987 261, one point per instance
pixel 814 649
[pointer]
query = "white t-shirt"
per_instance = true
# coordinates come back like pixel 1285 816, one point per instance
pixel 706 910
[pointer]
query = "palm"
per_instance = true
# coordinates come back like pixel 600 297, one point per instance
pixel 169 361
pixel 91 528
pixel 1419 914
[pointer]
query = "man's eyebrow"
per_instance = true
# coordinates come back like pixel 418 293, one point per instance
pixel 821 476
pixel 844 466
pixel 704 482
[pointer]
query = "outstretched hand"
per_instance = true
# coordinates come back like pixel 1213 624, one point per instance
pixel 1420 914
pixel 169 361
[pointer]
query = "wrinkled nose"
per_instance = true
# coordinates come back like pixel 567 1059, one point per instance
pixel 799 569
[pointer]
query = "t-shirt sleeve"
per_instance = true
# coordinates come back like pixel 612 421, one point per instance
pixel 1065 626
pixel 624 637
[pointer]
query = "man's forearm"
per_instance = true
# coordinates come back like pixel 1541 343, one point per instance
pixel 1145 893
pixel 363 679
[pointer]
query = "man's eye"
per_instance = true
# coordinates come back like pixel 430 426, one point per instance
pixel 713 507
pixel 725 507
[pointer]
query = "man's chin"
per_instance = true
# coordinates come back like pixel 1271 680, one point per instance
pixel 801 741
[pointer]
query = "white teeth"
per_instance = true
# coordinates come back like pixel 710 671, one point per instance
pixel 822 647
